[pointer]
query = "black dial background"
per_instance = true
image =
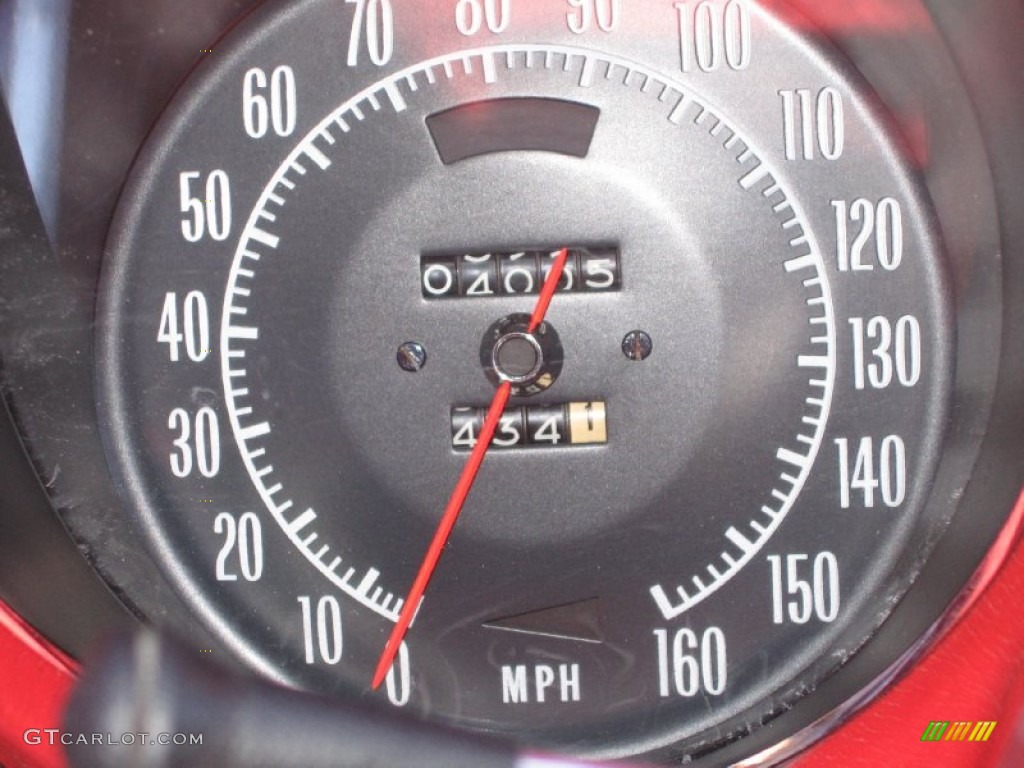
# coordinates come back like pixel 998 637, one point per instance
pixel 232 177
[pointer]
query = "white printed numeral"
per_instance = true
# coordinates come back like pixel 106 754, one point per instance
pixel 884 470
pixel 438 279
pixel 880 222
pixel 812 121
pixel 471 15
pixel 599 273
pixel 398 683
pixel 323 638
pixel 511 272
pixel 482 285
pixel 373 23
pixel 818 597
pixel 692 664
pixel 244 537
pixel 506 435
pixel 895 352
pixel 548 432
pixel 198 446
pixel 262 109
pixel 210 214
pixel 604 12
pixel 196 324
pixel 711 34
pixel 466 436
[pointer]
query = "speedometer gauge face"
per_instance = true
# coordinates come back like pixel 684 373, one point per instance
pixel 709 484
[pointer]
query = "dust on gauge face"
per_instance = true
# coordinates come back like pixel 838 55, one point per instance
pixel 710 435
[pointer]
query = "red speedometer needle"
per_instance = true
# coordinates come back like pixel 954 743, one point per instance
pixel 458 497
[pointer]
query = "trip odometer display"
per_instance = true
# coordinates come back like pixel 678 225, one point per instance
pixel 720 434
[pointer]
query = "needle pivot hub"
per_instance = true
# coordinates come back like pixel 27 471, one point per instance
pixel 530 362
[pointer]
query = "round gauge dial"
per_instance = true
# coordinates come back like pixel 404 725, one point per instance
pixel 719 441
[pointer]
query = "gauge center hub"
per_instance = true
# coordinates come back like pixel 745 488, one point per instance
pixel 531 362
pixel 517 357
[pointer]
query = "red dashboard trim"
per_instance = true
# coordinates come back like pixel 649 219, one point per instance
pixel 35 681
pixel 975 672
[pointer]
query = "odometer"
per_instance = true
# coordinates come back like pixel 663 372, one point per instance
pixel 709 484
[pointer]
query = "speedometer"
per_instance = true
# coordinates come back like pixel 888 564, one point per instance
pixel 710 475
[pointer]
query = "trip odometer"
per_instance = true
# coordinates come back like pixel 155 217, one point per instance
pixel 719 436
